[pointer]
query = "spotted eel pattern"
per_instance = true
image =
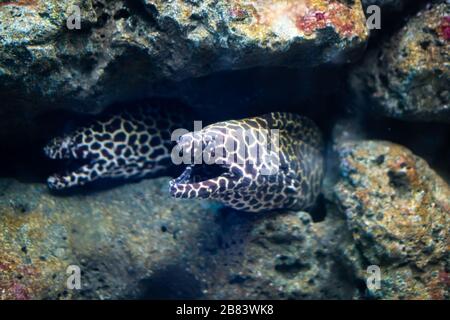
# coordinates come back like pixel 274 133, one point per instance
pixel 275 160
pixel 249 175
pixel 131 144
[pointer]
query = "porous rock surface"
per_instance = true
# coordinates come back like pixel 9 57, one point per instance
pixel 281 256
pixel 408 75
pixel 121 239
pixel 133 241
pixel 398 212
pixel 124 47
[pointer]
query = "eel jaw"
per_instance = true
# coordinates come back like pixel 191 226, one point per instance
pixel 61 148
pixel 56 182
pixel 200 181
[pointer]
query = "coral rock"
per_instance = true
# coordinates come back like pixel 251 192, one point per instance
pixel 125 47
pixel 279 256
pixel 123 240
pixel 408 77
pixel 398 210
pixel 133 242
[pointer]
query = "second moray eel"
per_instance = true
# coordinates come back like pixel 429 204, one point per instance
pixel 261 175
pixel 130 145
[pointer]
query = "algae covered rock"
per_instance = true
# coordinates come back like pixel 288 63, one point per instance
pixel 124 47
pixel 279 256
pixel 408 77
pixel 124 241
pixel 134 242
pixel 397 210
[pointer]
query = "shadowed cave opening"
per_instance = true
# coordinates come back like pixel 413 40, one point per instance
pixel 249 92
pixel 173 282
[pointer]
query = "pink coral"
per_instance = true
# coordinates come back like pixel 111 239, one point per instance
pixel 445 28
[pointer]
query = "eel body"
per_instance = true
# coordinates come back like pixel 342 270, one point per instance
pixel 255 164
pixel 129 145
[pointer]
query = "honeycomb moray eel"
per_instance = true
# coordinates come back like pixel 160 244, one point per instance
pixel 131 144
pixel 245 168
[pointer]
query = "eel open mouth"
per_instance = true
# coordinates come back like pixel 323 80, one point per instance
pixel 68 163
pixel 200 180
pixel 201 172
pixel 67 166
